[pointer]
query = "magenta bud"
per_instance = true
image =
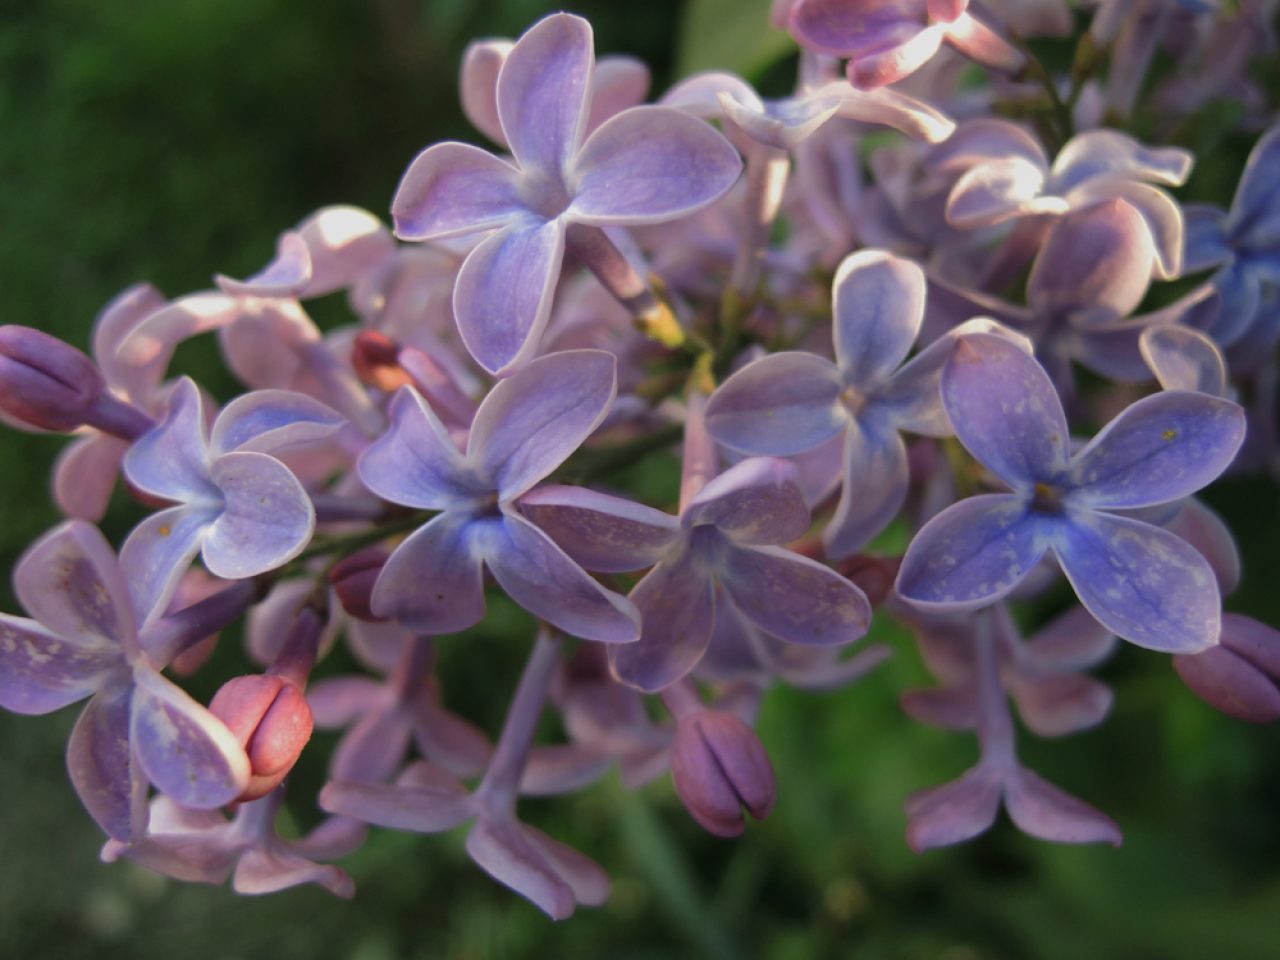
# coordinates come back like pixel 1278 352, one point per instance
pixel 1241 675
pixel 270 717
pixel 720 766
pixel 353 578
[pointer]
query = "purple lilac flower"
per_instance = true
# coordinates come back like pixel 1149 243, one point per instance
pixel 1143 583
pixel 645 165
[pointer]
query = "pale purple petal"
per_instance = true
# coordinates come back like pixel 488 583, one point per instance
pixel 84 477
pixel 1230 683
pixel 756 501
pixel 530 422
pixel 285 276
pixel 422 809
pixel 275 868
pixel 617 84
pixel 948 708
pixel 1240 290
pixel 265 421
pixel 1183 358
pixel 699 94
pixel 891 108
pixel 1255 641
pixel 875 487
pixel 601 532
pixel 984 138
pixel 502 850
pixel 1161 448
pixel 148 346
pixel 503 295
pixel 416 463
pixel 998 189
pixel 953 812
pixel 1039 808
pixel 1204 530
pixel 172 461
pixel 1204 240
pixel 1005 410
pixel 971 554
pixel 648 165
pixel 792 597
pixel 268 621
pixel 563 768
pixel 780 404
pixel 158 552
pixel 1055 706
pixel 589 882
pixel 1255 212
pixel 41 671
pixel 433 581
pixel 1071 641
pixel 337 702
pixel 881 67
pixel 373 749
pixel 676 601
pixel 453 189
pixel 448 740
pixel 878 303
pixel 267 518
pixel 1097 153
pixel 782 125
pixel 102 768
pixel 478 85
pixel 117 319
pixel 544 92
pixel 185 750
pixel 345 243
pixel 540 577
pixel 1146 585
pixel 1159 211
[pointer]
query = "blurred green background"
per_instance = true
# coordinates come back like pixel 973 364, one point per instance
pixel 169 139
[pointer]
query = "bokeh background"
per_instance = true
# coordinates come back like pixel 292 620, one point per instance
pixel 169 139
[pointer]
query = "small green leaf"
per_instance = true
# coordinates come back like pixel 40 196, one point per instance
pixel 729 35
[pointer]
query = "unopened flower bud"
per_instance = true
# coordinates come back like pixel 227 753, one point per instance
pixel 376 358
pixel 1241 675
pixel 353 578
pixel 270 717
pixel 720 766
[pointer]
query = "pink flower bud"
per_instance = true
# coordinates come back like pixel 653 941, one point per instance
pixel 720 766
pixel 376 358
pixel 353 578
pixel 270 717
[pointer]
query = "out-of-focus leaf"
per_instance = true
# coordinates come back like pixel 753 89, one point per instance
pixel 728 35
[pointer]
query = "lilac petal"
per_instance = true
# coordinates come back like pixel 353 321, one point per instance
pixel 113 325
pixel 268 622
pixel 884 66
pixel 1058 705
pixel 285 276
pixel 998 189
pixel 540 577
pixel 266 521
pixel 41 671
pixel 184 749
pixel 617 84
pixel 147 348
pixel 792 597
pixel 373 749
pixel 1255 212
pixel 1159 211
pixel 842 29
pixel 172 461
pixel 416 463
pixel 875 487
pixel 971 554
pixel 589 882
pixel 158 552
pixel 345 243
pixel 1230 683
pixel 783 125
pixel 102 766
pixel 1146 585
pixel 1042 810
pixel 953 812
pixel 450 741
pixel 433 582
pixel 1004 409
pixel 878 303
pixel 563 768
pixel 338 702
pixel 84 477
pixel 1204 240
pixel 1159 449
pixel 984 138
pixel 478 85
pixel 273 869
pixel 1204 530
pixel 503 295
pixel 378 646
pixel 1097 153
pixel 948 708
pixel 648 165
pixel 1183 358
pixel 676 601
pixel 265 421
pixel 700 94
pixel 601 532
pixel 422 809
pixel 756 501
pixel 780 404
pixel 891 108
pixel 544 93
pixel 454 189
pixel 1240 291
pixel 530 422
pixel 72 583
pixel 1073 640
pixel 502 849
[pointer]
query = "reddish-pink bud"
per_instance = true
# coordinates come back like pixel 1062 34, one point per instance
pixel 376 358
pixel 353 578
pixel 720 766
pixel 270 717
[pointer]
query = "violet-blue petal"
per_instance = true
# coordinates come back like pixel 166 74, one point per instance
pixel 530 422
pixel 648 165
pixel 172 461
pixel 792 597
pixel 502 850
pixel 540 577
pixel 41 671
pixel 100 762
pixel 780 404
pixel 415 462
pixel 676 601
pixel 878 304
pixel 1183 358
pixel 1158 449
pixel 158 552
pixel 971 554
pixel 1241 296
pixel 875 487
pixel 1255 212
pixel 1146 585
pixel 1204 239
pixel 601 532
pixel 758 500
pixel 267 517
pixel 503 294
pixel 433 582
pixel 265 421
pixel 85 474
pixel 1097 153
pixel 1039 808
pixel 453 189
pixel 544 92
pixel 187 752
pixel 954 812
pixel 1005 410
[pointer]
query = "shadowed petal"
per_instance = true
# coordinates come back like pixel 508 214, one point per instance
pixel 84 477
pixel 265 421
pixel 875 487
pixel 420 808
pixel 1159 211
pixel 503 294
pixel 971 554
pixel 589 882
pixel 453 189
pixel 1071 641
pixel 1183 358
pixel 172 461
pixel 1055 706
pixel 878 303
pixel 530 422
pixel 100 762
pixel 618 83
pixel 1143 583
pixel 266 521
pixel 676 601
pixel 540 577
pixel 41 671
pixel 1161 448
pixel 601 532
pixel 780 404
pixel 953 812
pixel 1240 290
pixel 1230 682
pixel 756 501
pixel 373 749
pixel 1042 810
pixel 502 850
pixel 432 582
pixel 650 164
pixel 158 552
pixel 1255 212
pixel 1204 241
pixel 478 85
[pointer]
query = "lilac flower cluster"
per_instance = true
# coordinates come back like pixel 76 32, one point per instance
pixel 852 338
